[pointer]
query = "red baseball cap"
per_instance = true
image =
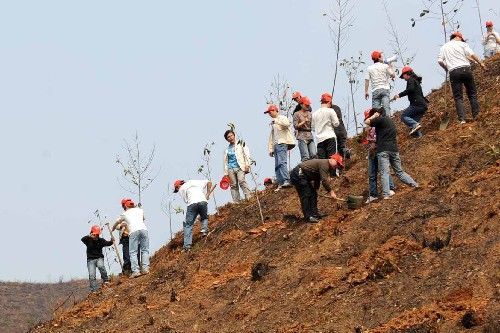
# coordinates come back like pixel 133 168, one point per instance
pixel 178 183
pixel 124 201
pixel 305 100
pixel 296 94
pixel 405 70
pixel 338 158
pixel 458 34
pixel 326 98
pixel 376 55
pixel 489 23
pixel 270 108
pixel 95 230
pixel 225 183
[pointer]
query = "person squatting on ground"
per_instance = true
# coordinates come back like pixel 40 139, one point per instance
pixel 236 165
pixel 454 58
pixel 195 194
pixel 122 227
pixel 412 115
pixel 138 238
pixel 95 258
pixel 373 163
pixel 306 178
pixel 302 124
pixel 324 121
pixel 378 76
pixel 280 141
pixel 491 41
pixel 387 150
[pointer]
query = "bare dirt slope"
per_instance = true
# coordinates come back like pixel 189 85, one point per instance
pixel 23 305
pixel 425 261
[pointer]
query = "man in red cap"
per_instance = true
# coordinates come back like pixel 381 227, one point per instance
pixel 280 141
pixel 95 258
pixel 324 122
pixel 236 164
pixel 454 59
pixel 122 227
pixel 491 41
pixel 307 176
pixel 379 76
pixel 302 124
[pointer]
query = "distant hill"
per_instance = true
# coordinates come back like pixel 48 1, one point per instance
pixel 23 305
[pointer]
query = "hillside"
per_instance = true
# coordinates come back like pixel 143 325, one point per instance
pixel 23 305
pixel 425 261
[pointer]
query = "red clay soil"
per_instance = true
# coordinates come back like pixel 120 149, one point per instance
pixel 425 261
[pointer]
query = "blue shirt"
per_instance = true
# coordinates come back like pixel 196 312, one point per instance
pixel 232 162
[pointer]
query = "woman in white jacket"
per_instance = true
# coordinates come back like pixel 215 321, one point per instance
pixel 236 165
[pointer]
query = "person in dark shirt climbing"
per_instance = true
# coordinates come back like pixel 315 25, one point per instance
pixel 95 258
pixel 412 115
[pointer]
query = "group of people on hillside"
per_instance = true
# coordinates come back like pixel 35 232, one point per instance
pixel 321 159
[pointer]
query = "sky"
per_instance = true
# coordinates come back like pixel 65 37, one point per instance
pixel 77 78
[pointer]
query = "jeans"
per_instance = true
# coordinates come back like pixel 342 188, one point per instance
pixel 281 163
pixel 91 266
pixel 127 267
pixel 327 148
pixel 193 210
pixel 139 240
pixel 307 193
pixel 387 159
pixel 412 115
pixel 372 176
pixel 307 149
pixel 463 76
pixel 237 178
pixel 490 52
pixel 380 98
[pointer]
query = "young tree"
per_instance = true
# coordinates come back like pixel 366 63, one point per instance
pixel 169 207
pixel 341 18
pixel 137 167
pixel 280 95
pixel 444 11
pixel 205 169
pixel 397 42
pixel 353 67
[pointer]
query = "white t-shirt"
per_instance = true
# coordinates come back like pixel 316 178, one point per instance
pixel 323 122
pixel 134 217
pixel 379 75
pixel 490 41
pixel 193 191
pixel 454 54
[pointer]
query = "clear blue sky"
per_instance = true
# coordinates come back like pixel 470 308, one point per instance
pixel 76 78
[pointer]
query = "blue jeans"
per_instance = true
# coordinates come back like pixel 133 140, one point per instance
pixel 92 264
pixel 139 240
pixel 372 176
pixel 380 98
pixel 307 149
pixel 412 115
pixel 388 159
pixel 280 163
pixel 192 211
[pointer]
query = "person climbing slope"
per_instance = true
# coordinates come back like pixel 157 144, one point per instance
pixel 95 257
pixel 324 121
pixel 491 41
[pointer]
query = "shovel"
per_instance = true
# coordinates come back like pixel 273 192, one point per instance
pixel 445 119
pixel 116 247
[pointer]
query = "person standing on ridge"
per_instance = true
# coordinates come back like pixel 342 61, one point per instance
pixel 412 115
pixel 302 124
pixel 491 41
pixel 296 96
pixel 195 194
pixel 95 258
pixel 306 178
pixel 341 134
pixel 236 165
pixel 138 238
pixel 122 227
pixel 324 122
pixel 454 57
pixel 280 141
pixel 387 150
pixel 379 75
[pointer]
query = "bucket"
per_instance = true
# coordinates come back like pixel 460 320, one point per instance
pixel 354 201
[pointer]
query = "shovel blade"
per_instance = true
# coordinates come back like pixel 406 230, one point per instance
pixel 445 120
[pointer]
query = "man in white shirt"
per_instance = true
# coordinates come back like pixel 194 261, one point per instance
pixel 195 194
pixel 324 121
pixel 379 75
pixel 455 57
pixel 138 237
pixel 491 41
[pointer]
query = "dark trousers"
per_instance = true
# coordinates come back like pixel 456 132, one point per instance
pixel 127 267
pixel 307 193
pixel 327 148
pixel 463 76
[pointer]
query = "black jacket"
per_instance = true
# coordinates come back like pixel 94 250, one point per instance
pixel 340 131
pixel 414 92
pixel 94 246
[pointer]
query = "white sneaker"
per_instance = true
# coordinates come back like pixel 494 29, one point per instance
pixel 462 122
pixel 278 188
pixel 286 184
pixel 391 193
pixel 370 199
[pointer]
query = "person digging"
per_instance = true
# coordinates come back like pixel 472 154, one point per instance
pixel 306 178
pixel 95 258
